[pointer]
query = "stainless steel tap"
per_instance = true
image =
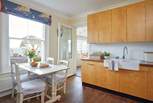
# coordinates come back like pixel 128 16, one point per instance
pixel 125 52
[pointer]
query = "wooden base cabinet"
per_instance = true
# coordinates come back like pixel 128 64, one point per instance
pixel 150 83
pixel 101 76
pixel 136 83
pixel 133 82
pixel 113 80
pixel 88 71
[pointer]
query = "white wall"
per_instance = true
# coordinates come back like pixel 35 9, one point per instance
pixel 4 60
pixel 136 50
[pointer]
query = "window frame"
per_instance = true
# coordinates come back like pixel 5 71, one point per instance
pixel 44 40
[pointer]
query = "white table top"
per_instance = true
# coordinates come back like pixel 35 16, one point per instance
pixel 42 71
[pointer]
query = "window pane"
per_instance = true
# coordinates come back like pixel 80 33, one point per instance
pixel 15 47
pixel 82 46
pixel 36 29
pixel 26 34
pixel 17 27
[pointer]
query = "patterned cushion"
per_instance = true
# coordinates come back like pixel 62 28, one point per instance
pixel 33 86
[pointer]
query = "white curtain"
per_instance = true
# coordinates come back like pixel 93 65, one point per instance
pixel 4 43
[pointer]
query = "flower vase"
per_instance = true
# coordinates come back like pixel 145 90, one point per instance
pixel 30 60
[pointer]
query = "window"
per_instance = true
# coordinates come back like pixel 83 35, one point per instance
pixel 82 46
pixel 25 34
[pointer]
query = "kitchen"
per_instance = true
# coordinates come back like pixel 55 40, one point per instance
pixel 105 48
pixel 120 57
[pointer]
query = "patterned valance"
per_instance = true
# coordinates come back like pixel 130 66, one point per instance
pixel 25 12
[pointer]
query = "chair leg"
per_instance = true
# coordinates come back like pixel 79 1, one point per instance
pixel 21 98
pixel 43 97
pixel 46 90
pixel 13 92
pixel 65 87
pixel 17 98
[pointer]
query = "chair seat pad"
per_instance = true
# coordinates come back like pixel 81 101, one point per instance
pixel 58 79
pixel 33 86
pixel 26 77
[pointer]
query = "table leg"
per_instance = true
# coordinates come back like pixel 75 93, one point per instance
pixel 54 97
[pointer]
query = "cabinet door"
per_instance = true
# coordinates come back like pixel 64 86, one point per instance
pixel 149 20
pixel 101 75
pixel 112 80
pixel 92 27
pixel 88 72
pixel 136 22
pixel 119 25
pixel 133 82
pixel 105 27
pixel 150 83
pixel 84 71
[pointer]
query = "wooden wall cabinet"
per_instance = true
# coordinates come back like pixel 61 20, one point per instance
pixel 136 22
pixel 93 33
pixel 149 20
pixel 133 23
pixel 119 25
pixel 105 27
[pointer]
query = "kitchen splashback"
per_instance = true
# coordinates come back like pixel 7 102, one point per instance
pixel 136 50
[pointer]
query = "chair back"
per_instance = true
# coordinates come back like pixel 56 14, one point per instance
pixel 63 62
pixel 50 60
pixel 13 62
pixel 63 73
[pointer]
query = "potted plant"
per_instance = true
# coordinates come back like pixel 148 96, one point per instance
pixel 31 53
pixel 106 55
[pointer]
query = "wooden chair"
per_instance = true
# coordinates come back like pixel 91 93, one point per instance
pixel 60 77
pixel 29 89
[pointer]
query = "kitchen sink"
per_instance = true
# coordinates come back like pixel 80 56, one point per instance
pixel 129 64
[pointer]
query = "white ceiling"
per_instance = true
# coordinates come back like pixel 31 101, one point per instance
pixel 74 8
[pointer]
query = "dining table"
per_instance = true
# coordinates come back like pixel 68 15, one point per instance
pixel 48 71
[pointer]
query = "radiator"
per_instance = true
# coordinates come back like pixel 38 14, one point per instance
pixel 5 82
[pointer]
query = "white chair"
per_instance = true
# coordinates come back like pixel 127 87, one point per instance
pixel 29 89
pixel 60 77
pixel 50 60
pixel 23 76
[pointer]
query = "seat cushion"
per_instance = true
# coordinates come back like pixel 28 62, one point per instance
pixel 26 77
pixel 33 86
pixel 58 79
